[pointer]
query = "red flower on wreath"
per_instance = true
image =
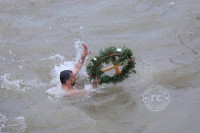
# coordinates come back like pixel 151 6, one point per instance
pixel 132 59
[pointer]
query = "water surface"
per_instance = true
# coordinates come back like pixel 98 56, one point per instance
pixel 40 38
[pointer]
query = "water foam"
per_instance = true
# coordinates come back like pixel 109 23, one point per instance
pixel 20 124
pixel 9 82
pixel 3 119
pixel 17 125
pixel 171 3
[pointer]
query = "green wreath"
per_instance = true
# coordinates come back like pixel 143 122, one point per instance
pixel 122 56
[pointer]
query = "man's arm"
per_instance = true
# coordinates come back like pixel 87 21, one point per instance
pixel 81 61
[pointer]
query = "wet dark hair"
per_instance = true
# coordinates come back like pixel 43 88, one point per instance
pixel 64 76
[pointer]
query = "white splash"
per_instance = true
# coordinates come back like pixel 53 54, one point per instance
pixel 20 123
pixel 79 49
pixel 17 125
pixel 9 83
pixel 171 3
pixel 3 119
pixel 10 52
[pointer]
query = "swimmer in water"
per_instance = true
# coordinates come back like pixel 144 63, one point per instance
pixel 68 77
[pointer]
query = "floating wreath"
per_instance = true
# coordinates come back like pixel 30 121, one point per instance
pixel 119 57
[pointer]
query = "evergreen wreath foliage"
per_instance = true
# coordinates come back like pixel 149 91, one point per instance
pixel 117 56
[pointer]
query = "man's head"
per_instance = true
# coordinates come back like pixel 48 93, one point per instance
pixel 67 77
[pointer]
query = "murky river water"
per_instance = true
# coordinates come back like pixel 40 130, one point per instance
pixel 39 38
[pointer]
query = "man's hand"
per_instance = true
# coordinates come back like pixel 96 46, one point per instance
pixel 95 82
pixel 85 52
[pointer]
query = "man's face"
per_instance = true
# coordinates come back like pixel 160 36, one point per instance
pixel 72 79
